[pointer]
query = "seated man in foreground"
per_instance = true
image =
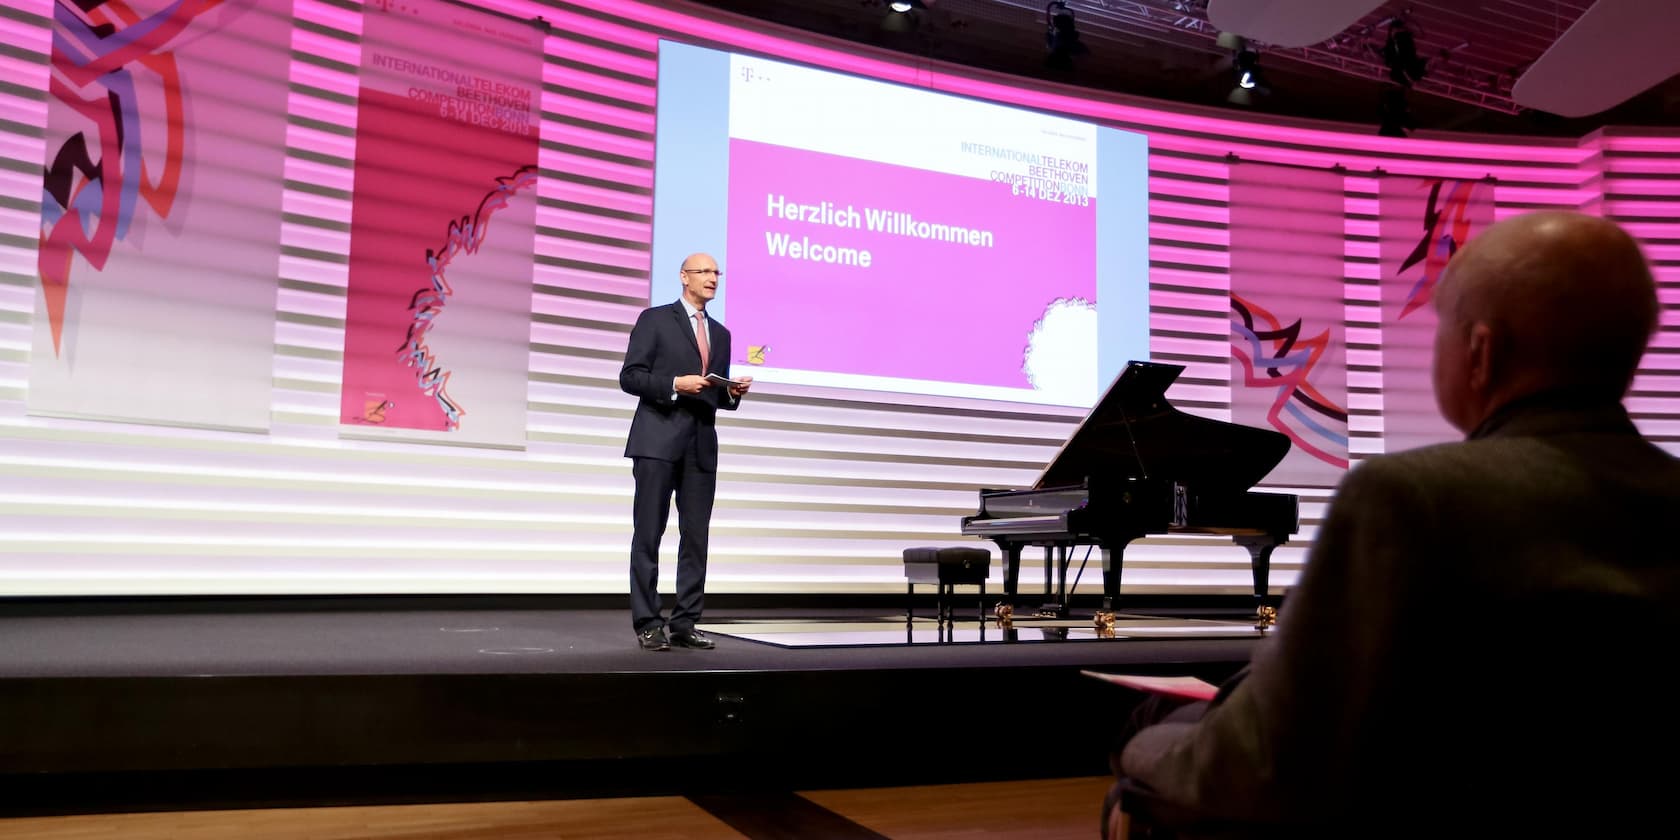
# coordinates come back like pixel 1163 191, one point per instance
pixel 1465 643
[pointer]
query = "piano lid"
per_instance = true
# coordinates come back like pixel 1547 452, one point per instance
pixel 1133 432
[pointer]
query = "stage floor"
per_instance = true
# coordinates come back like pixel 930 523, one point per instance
pixel 290 637
pixel 90 686
pixel 895 631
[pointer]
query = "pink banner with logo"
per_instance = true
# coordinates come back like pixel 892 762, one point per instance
pixel 992 270
pixel 1424 221
pixel 443 225
pixel 1288 344
pixel 160 212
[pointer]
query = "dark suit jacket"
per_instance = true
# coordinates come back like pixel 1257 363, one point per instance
pixel 662 347
pixel 1473 629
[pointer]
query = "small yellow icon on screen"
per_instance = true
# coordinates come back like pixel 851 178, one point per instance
pixel 373 411
pixel 755 353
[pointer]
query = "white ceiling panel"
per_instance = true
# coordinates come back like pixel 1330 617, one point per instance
pixel 1288 23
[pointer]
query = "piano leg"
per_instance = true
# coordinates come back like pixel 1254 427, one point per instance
pixel 1260 556
pixel 1112 562
pixel 1064 556
pixel 1049 577
pixel 1011 580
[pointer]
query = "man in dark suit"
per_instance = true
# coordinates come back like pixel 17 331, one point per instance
pixel 1463 652
pixel 673 446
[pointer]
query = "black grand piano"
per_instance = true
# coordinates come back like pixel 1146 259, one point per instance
pixel 1138 466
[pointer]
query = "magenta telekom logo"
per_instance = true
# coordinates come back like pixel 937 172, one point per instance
pixel 393 6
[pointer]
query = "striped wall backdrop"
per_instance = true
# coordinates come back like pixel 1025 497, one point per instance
pixel 1638 183
pixel 819 489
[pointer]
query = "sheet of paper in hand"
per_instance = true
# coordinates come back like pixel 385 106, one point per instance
pixel 1190 687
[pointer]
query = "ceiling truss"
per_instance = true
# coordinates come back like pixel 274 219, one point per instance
pixel 1356 52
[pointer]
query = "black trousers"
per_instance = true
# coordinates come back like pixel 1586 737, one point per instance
pixel 656 480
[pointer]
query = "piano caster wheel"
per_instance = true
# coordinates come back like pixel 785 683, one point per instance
pixel 1104 620
pixel 1264 618
pixel 1005 614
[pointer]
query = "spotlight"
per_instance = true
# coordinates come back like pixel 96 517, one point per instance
pixel 1401 56
pixel 1245 63
pixel 1394 117
pixel 1061 35
pixel 899 19
pixel 1248 69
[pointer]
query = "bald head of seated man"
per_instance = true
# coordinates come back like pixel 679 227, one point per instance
pixel 1541 302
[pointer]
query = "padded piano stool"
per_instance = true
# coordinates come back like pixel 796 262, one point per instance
pixel 946 568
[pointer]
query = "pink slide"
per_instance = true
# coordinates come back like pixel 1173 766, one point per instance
pixel 854 267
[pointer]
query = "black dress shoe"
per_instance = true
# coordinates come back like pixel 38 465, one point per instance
pixel 653 638
pixel 691 639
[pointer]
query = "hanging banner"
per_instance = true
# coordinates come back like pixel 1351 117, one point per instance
pixel 442 226
pixel 160 212
pixel 1288 344
pixel 1423 222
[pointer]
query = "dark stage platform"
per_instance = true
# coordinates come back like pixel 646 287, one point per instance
pixel 842 694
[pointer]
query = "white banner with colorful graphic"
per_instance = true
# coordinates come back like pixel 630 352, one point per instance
pixel 160 212
pixel 1424 221
pixel 443 226
pixel 1288 345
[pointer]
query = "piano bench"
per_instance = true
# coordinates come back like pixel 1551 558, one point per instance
pixel 946 568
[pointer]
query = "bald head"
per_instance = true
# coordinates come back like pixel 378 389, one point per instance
pixel 1539 302
pixel 700 276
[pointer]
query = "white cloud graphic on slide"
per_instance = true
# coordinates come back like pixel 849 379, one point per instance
pixel 1060 359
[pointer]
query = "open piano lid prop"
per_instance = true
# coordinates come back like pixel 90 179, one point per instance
pixel 1133 432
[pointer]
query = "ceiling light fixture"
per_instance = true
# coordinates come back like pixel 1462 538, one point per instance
pixel 1061 35
pixel 1400 54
